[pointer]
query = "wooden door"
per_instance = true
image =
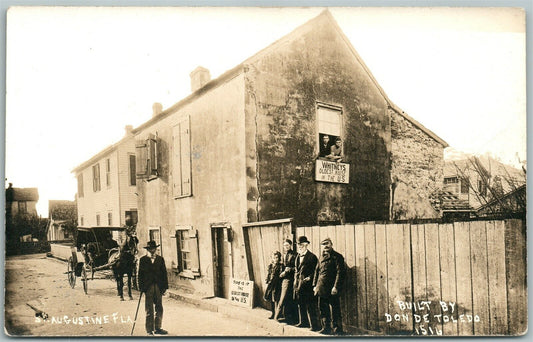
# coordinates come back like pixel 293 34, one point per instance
pixel 221 262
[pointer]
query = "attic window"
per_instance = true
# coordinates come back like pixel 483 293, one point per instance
pixel 329 121
pixel 146 158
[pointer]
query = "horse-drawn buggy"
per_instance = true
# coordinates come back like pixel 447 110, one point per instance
pixel 103 248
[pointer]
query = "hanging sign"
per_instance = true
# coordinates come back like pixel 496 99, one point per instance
pixel 333 172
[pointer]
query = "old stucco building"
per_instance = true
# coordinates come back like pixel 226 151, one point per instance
pixel 244 148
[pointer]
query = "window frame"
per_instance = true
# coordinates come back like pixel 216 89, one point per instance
pixel 22 207
pixel 185 252
pixel 110 218
pixel 97 185
pixel 132 169
pixel 150 235
pixel 98 220
pixel 322 132
pixel 108 172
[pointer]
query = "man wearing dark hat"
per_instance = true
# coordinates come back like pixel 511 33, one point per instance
pixel 303 286
pixel 153 282
pixel 327 284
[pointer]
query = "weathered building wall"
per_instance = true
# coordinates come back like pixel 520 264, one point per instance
pixel 282 90
pixel 416 170
pixel 218 180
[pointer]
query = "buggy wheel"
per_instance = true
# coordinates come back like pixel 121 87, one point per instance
pixel 84 279
pixel 71 275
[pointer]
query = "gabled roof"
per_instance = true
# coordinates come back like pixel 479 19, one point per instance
pixel 25 194
pixel 101 154
pixel 295 33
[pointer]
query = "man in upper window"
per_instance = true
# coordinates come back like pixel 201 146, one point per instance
pixel 336 151
pixel 325 148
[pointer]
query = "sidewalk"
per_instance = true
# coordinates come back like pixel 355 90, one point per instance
pixel 255 316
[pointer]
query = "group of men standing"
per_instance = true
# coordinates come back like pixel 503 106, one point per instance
pixel 311 287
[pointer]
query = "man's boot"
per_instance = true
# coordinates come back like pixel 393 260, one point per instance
pixel 326 330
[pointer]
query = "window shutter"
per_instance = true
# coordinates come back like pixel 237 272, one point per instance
pixel 174 251
pixel 141 159
pixel 195 252
pixel 185 157
pixel 152 147
pixel 176 161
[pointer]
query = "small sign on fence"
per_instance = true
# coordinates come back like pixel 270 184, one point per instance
pixel 241 292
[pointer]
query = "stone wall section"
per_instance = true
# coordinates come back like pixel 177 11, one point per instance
pixel 416 170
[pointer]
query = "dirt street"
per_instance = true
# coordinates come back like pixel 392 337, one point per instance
pixel 42 283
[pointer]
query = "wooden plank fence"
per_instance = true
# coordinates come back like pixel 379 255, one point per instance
pixel 453 279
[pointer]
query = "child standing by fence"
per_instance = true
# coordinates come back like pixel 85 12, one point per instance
pixel 273 282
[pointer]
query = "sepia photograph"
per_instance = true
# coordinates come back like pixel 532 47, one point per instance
pixel 265 171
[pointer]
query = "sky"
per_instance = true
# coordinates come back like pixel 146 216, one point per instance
pixel 76 76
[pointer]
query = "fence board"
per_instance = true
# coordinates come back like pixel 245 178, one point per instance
pixel 419 262
pixel 370 273
pixel 448 279
pixel 256 248
pixel 463 278
pixel 433 273
pixel 315 240
pixel 480 295
pixel 516 269
pixel 382 276
pixel 330 232
pixel 399 286
pixel 350 291
pixel 362 310
pixel 497 284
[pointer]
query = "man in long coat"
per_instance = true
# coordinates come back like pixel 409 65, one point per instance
pixel 286 307
pixel 153 281
pixel 303 286
pixel 327 285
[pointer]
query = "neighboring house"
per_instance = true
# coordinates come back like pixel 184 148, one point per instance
pixel 479 180
pixel 21 200
pixel 244 148
pixel 62 215
pixel 107 185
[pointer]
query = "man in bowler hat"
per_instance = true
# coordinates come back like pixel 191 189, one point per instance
pixel 303 286
pixel 327 284
pixel 153 281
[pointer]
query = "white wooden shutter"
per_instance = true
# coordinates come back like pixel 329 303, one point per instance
pixel 195 252
pixel 176 161
pixel 141 158
pixel 185 157
pixel 174 251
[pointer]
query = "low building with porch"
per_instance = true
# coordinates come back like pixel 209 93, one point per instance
pixel 243 151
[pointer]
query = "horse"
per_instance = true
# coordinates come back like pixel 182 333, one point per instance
pixel 125 263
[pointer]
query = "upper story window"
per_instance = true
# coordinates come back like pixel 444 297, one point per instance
pixel 146 158
pixel 96 177
pixel 108 172
pixel 181 159
pixel 329 120
pixel 81 221
pixel 97 219
pixel 109 219
pixel 80 185
pixel 465 185
pixel 133 178
pixel 23 207
pixel 451 180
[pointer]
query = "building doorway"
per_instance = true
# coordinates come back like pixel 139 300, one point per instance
pixel 221 239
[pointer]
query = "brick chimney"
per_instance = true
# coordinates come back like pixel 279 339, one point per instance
pixel 199 77
pixel 129 129
pixel 157 108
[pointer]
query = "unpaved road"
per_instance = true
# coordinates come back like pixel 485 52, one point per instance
pixel 42 282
